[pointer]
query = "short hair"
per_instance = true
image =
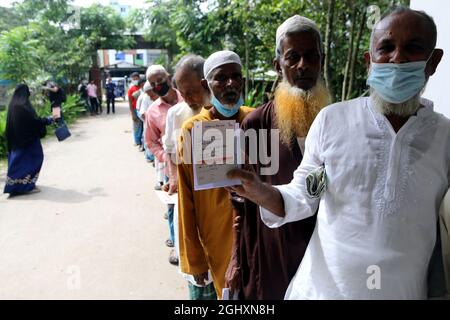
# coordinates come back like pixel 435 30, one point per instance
pixel 193 62
pixel 293 25
pixel 134 74
pixel 155 69
pixel 396 10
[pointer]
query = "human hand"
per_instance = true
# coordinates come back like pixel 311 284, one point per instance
pixel 237 224
pixel 50 120
pixel 173 188
pixel 255 190
pixel 251 187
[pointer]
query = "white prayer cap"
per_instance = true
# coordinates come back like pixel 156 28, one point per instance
pixel 292 25
pixel 147 86
pixel 155 68
pixel 218 59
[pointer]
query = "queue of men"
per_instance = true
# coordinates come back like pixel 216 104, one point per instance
pixel 358 184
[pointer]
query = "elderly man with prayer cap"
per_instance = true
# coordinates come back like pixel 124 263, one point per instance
pixel 155 119
pixel 265 259
pixel 206 216
pixel 379 177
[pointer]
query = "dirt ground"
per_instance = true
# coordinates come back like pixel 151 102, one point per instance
pixel 96 229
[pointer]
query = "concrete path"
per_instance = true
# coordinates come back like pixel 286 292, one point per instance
pixel 96 231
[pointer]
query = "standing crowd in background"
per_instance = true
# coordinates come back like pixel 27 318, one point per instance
pixel 351 206
pixel 347 194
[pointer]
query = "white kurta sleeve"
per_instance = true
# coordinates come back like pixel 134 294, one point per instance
pixel 169 146
pixel 297 204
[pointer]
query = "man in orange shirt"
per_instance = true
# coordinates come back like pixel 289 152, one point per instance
pixel 206 216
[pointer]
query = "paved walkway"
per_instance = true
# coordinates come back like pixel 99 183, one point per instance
pixel 96 231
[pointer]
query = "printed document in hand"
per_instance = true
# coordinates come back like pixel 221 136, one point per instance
pixel 165 198
pixel 216 149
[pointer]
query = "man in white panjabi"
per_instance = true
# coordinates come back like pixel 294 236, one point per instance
pixel 387 162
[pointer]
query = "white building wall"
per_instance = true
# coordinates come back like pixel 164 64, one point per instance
pixel 438 88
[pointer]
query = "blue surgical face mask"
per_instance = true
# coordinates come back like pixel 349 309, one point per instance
pixel 224 110
pixel 397 82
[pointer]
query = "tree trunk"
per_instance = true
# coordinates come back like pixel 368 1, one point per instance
pixel 328 39
pixel 247 66
pixel 349 55
pixel 95 75
pixel 356 50
pixel 170 54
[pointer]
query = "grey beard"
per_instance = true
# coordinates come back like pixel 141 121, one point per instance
pixel 405 109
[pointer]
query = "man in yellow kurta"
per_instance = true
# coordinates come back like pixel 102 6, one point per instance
pixel 206 217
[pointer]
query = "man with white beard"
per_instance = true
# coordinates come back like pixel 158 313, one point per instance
pixel 265 260
pixel 386 161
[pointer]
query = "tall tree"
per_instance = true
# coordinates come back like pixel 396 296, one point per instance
pixel 328 40
pixel 355 53
pixel 354 16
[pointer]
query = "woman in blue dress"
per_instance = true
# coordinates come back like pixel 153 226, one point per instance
pixel 24 130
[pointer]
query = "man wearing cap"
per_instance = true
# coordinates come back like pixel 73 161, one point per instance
pixel 266 259
pixel 377 178
pixel 206 217
pixel 155 119
pixel 132 100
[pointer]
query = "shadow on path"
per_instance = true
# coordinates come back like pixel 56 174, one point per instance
pixel 60 195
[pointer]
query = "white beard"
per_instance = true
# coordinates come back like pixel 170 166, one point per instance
pixel 405 109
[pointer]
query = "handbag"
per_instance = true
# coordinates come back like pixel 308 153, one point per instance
pixel 62 132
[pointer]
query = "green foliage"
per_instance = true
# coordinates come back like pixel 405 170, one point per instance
pixel 9 19
pixel 37 44
pixel 101 28
pixel 17 55
pixel 49 10
pixel 256 96
pixel 73 108
pixel 249 26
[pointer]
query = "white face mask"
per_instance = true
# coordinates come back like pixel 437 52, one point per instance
pixel 397 82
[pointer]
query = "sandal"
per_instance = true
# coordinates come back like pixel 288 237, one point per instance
pixel 169 243
pixel 173 259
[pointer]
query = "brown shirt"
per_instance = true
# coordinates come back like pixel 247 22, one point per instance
pixel 269 258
